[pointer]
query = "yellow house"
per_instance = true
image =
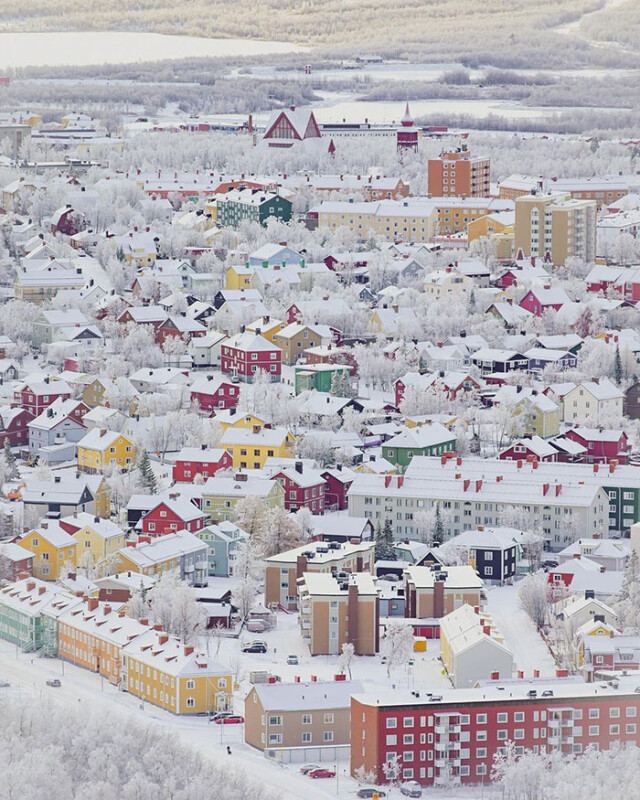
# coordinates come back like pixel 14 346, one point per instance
pixel 239 277
pixel 98 540
pixel 211 210
pixel 165 672
pixel 267 327
pixel 230 418
pixel 251 447
pixel 590 629
pixel 53 549
pixel 101 449
pixel 446 281
pixel 542 415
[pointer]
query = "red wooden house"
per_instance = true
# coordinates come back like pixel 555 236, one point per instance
pixel 35 396
pixel 143 315
pixel 246 353
pixel 338 481
pixel 213 392
pixel 530 449
pixel 67 221
pixel 19 561
pixel 179 326
pixel 191 462
pixel 13 425
pixel 303 488
pixel 169 516
pixel 602 445
pixel 539 300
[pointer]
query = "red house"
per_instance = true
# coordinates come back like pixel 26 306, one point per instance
pixel 143 315
pixel 338 481
pixel 169 516
pixel 179 326
pixel 303 488
pixel 246 353
pixel 213 392
pixel 539 300
pixel 67 221
pixel 191 462
pixel 38 395
pixel 19 561
pixel 602 445
pixel 530 449
pixel 13 425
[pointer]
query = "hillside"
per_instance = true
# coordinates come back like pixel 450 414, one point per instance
pixel 505 33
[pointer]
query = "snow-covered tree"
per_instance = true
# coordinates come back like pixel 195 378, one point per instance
pixel 174 604
pixel 534 597
pixel 384 549
pixel 147 475
pixel 397 645
pixel 346 657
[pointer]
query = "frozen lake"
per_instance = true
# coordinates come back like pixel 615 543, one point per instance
pixel 82 49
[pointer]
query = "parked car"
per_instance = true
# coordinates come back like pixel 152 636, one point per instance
pixel 366 792
pixel 308 768
pixel 53 682
pixel 411 789
pixel 4 684
pixel 254 647
pixel 389 576
pixel 293 660
pixel 321 773
pixel 233 719
pixel 222 715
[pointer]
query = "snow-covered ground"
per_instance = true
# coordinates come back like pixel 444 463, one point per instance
pixel 520 634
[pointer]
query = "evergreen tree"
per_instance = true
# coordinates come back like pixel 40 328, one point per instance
pixel 472 302
pixel 10 458
pixel 384 542
pixel 147 476
pixel 438 528
pixel 617 366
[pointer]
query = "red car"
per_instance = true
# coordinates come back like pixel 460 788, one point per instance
pixel 321 773
pixel 235 719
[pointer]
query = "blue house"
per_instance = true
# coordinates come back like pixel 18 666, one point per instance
pixel 540 357
pixel 222 542
pixel 272 254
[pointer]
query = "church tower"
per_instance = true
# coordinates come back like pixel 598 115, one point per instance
pixel 407 134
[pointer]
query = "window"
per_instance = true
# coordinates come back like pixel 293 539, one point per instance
pixel 408 722
pixel 481 769
pixel 518 716
pixel 503 718
pixel 594 730
pixel 481 736
pixel 392 739
pixel 191 684
pixel 630 727
pixel 594 713
pixel 614 730
pixel 518 733
pixel 481 752
pixel 614 713
pixel 306 719
pixel 190 702
pixel 502 734
pixel 275 720
pixel 328 720
pixel 407 738
pixel 481 719
pixel 306 737
pixel 327 736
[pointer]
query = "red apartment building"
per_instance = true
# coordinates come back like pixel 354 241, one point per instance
pixel 338 481
pixel 246 353
pixel 454 737
pixel 458 174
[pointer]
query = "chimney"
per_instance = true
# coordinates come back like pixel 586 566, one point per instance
pixel 596 467
pixel 163 638
pixel 31 585
pixel 478 485
pixel 106 610
pixel 301 566
pixel 545 488
pixel 536 673
pixel 535 465
pixel 188 649
pixel 92 603
pixel 558 489
pixel 466 484
pixel 144 621
pixel 495 675
pixel 480 527
pixel 42 589
pixel 158 627
pixel 486 629
pixel 438 599
pixel 299 467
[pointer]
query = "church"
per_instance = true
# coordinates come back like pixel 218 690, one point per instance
pixel 296 127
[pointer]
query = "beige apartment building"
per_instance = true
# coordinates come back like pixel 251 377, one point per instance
pixel 337 611
pixel 434 592
pixel 315 716
pixel 556 224
pixel 283 570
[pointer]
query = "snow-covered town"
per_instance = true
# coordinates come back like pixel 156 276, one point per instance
pixel 319 450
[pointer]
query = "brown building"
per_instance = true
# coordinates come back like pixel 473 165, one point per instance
pixel 632 401
pixel 434 592
pixel 283 570
pixel 337 611
pixel 314 716
pixel 459 174
pixel 296 338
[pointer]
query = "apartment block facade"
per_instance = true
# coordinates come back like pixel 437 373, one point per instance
pixel 459 174
pixel 453 737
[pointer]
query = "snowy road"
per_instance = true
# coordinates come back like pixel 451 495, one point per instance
pixel 520 634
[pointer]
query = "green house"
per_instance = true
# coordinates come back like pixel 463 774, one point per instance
pixel 425 440
pixel 254 205
pixel 29 611
pixel 318 376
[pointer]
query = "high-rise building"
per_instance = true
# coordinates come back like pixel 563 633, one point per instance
pixel 557 225
pixel 459 174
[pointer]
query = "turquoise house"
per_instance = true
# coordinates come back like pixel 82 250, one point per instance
pixel 222 542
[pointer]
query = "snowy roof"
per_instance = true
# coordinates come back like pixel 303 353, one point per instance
pixel 99 439
pixel 321 552
pixel 491 538
pixel 299 696
pixel 171 656
pixel 30 596
pixel 265 436
pixel 459 577
pixel 163 548
pixel 537 445
pixel 198 455
pixel 251 342
pixel 422 436
pixel 53 533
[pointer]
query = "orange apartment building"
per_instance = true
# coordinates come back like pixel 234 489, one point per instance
pixel 93 635
pixel 337 611
pixel 459 174
pixel 283 570
pixel 434 592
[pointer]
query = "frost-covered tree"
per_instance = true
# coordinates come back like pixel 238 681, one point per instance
pixel 384 549
pixel 174 604
pixel 346 657
pixel 534 598
pixel 397 645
